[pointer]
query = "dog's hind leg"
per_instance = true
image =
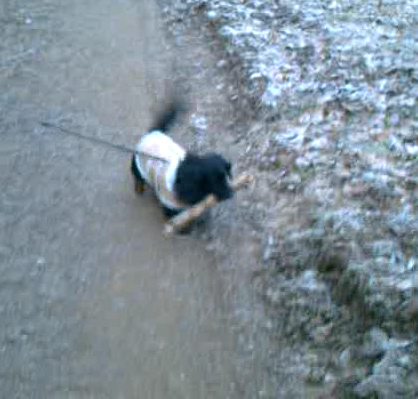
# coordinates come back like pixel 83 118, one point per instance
pixel 139 180
pixel 139 186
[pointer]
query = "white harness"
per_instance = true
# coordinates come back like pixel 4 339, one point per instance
pixel 159 169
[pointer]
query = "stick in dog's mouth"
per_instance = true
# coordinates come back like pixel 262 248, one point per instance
pixel 186 217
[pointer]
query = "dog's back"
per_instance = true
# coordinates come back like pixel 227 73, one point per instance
pixel 157 158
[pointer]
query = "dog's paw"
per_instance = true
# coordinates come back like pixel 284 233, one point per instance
pixel 139 187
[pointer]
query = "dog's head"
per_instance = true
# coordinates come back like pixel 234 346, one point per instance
pixel 198 177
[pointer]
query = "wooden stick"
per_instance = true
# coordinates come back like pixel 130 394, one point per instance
pixel 188 215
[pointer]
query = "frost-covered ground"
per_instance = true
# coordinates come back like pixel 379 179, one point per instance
pixel 331 91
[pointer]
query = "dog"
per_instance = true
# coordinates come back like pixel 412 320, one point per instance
pixel 179 178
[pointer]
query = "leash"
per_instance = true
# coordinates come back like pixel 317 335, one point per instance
pixel 96 140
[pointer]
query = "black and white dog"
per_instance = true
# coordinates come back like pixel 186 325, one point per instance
pixel 179 178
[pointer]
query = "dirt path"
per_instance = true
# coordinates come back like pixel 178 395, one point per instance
pixel 94 302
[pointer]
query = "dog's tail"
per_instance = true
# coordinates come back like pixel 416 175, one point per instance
pixel 166 118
